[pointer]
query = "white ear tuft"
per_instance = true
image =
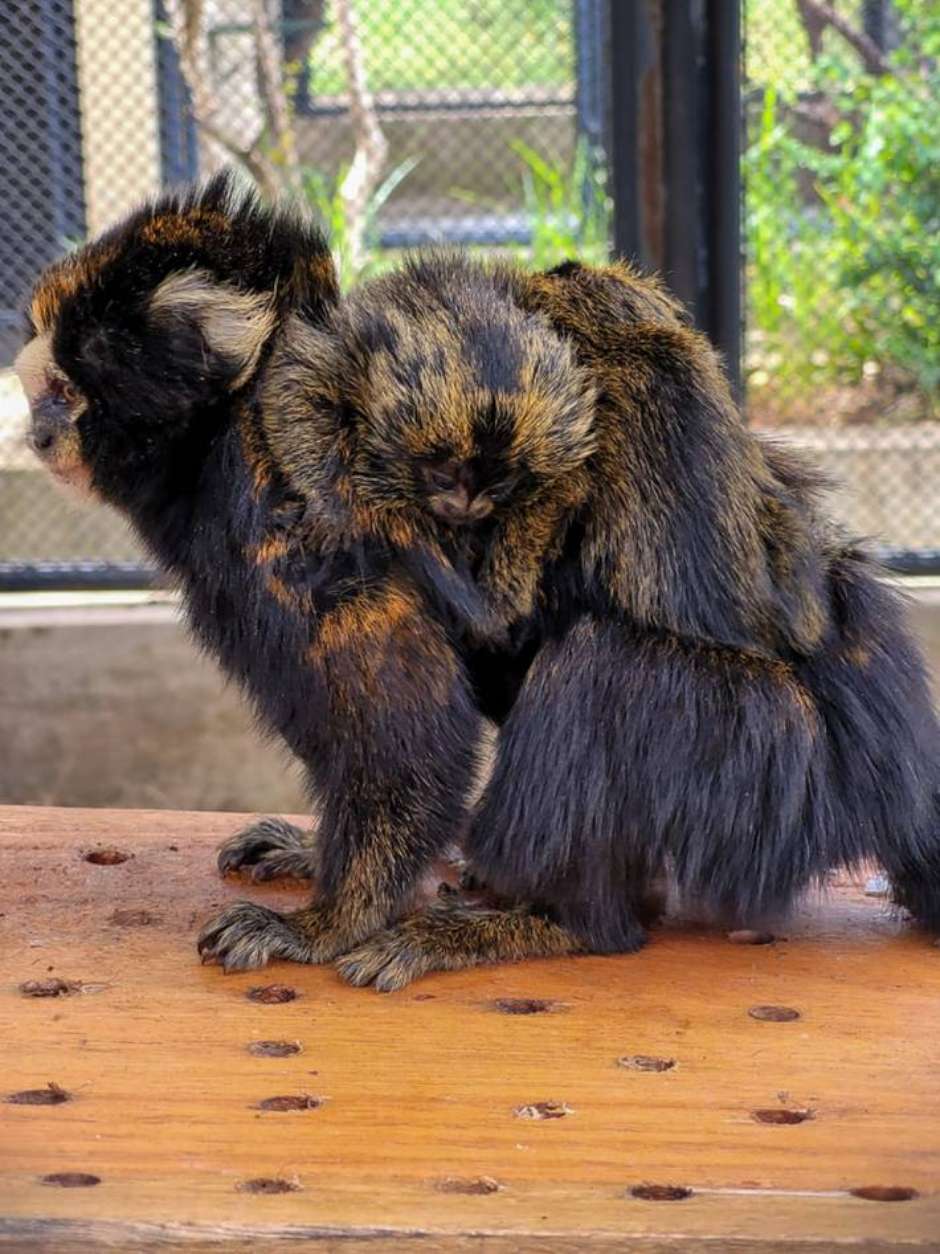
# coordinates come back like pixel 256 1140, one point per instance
pixel 234 324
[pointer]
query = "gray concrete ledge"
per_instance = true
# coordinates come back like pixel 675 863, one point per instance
pixel 113 705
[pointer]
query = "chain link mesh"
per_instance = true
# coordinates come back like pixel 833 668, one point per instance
pixel 842 196
pixel 491 115
pixel 489 119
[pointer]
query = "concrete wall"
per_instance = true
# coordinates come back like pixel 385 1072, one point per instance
pixel 113 706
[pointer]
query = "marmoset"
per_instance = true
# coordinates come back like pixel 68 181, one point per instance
pixel 462 494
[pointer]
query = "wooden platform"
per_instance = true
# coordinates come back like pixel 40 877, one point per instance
pixel 636 1103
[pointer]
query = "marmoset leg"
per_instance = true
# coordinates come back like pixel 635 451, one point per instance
pixel 392 754
pixel 549 830
pixel 448 936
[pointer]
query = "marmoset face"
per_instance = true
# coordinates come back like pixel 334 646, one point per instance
pixel 55 404
pixel 465 492
pixel 457 404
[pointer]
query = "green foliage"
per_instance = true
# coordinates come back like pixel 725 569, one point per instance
pixel 323 194
pixel 568 207
pixel 452 45
pixel 844 243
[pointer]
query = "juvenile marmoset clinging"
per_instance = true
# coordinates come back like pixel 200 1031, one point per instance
pixel 466 492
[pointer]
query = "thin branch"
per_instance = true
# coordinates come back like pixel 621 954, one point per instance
pixel 273 96
pixel 820 12
pixel 187 21
pixel 371 145
pixel 814 25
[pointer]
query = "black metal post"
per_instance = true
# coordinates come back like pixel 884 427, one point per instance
pixel 41 180
pixel 179 152
pixel 723 187
pixel 674 141
pixel 589 45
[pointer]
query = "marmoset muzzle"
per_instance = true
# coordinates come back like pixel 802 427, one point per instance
pixel 51 422
pixel 53 437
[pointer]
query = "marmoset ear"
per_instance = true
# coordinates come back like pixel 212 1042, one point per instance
pixel 234 324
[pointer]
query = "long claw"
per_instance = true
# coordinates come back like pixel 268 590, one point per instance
pixel 266 846
pixel 246 935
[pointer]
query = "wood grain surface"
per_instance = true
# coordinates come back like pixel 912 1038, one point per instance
pixel 628 1103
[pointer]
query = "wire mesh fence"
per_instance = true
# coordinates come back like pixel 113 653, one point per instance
pixel 842 183
pixel 471 122
pixel 484 123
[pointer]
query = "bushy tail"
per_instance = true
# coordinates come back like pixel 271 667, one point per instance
pixel 882 736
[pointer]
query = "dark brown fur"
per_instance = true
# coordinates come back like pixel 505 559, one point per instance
pixel 691 670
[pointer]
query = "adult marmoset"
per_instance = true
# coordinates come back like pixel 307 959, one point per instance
pixel 464 493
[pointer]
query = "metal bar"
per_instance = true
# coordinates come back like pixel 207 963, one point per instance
pixel 490 230
pixel 58 77
pixel 724 187
pixel 685 108
pixel 631 132
pixel 130 576
pixel 675 149
pixel 587 21
pixel 179 155
pixel 909 561
pixel 76 576
pixel 393 108
pixel 621 128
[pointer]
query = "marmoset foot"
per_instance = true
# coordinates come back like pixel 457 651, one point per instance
pixel 246 935
pixel 448 937
pixel 268 848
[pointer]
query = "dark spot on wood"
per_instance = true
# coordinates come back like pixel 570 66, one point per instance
pixel 52 1095
pixel 883 1193
pixel 747 936
pixel 271 994
pixel 774 1014
pixel 267 1184
pixel 543 1110
pixel 72 1179
pixel 476 1185
pixel 49 988
pixel 134 918
pixel 776 1115
pixel 291 1101
pixel 173 848
pixel 645 1062
pixel 424 997
pixel 274 1049
pixel 107 857
pixel 660 1192
pixel 525 1006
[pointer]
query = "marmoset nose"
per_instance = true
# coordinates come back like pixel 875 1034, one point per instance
pixel 458 499
pixel 452 505
pixel 460 505
pixel 49 420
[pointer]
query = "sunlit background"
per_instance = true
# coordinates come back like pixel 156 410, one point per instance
pixel 488 125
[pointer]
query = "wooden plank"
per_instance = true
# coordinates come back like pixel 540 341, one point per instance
pixel 415 1136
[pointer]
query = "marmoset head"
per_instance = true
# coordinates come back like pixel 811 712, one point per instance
pixel 443 397
pixel 139 342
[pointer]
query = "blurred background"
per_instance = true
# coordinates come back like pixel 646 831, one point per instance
pixel 778 161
